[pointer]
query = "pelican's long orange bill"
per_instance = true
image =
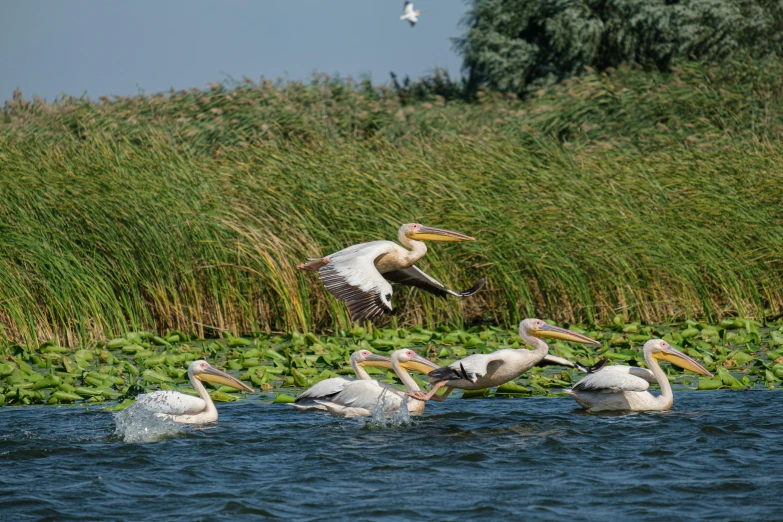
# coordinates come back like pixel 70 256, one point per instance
pixel 553 332
pixel 214 375
pixel 437 234
pixel 678 358
pixel 420 364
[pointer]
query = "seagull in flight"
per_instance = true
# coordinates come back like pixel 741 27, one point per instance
pixel 409 14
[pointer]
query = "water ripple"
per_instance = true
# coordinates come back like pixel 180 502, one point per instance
pixel 715 455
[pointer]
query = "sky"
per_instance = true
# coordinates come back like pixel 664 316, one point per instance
pixel 113 47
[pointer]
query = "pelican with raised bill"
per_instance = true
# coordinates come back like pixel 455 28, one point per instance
pixel 361 275
pixel 323 390
pixel 361 398
pixel 187 409
pixel 479 371
pixel 624 388
pixel 409 14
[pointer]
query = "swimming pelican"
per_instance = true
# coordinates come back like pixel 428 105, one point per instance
pixel 479 371
pixel 360 274
pixel 184 408
pixel 308 400
pixel 409 14
pixel 625 387
pixel 359 398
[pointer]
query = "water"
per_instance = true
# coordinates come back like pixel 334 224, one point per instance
pixel 718 455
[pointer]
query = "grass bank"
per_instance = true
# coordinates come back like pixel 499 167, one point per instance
pixel 650 195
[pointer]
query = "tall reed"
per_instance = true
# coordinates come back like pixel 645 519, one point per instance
pixel 638 193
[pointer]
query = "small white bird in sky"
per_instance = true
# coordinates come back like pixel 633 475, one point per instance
pixel 409 14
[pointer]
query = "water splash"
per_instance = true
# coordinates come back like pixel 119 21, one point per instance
pixel 138 424
pixel 385 416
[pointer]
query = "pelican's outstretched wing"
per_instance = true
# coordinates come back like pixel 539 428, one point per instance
pixel 407 9
pixel 553 360
pixel 617 378
pixel 171 403
pixel 414 276
pixel 351 276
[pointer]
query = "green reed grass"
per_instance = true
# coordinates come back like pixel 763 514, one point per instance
pixel 656 196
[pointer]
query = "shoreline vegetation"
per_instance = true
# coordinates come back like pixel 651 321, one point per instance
pixel 655 196
pixel 741 354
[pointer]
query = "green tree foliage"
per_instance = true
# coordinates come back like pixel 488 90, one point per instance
pixel 512 45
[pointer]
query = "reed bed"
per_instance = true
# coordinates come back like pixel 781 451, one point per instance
pixel 655 196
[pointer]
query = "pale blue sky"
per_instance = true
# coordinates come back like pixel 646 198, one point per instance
pixel 48 47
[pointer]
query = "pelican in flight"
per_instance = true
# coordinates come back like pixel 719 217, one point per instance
pixel 359 398
pixel 409 14
pixel 479 371
pixel 323 390
pixel 184 408
pixel 361 274
pixel 625 387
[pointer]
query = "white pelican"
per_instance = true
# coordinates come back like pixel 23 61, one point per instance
pixel 359 398
pixel 360 274
pixel 479 371
pixel 625 387
pixel 327 388
pixel 184 408
pixel 409 14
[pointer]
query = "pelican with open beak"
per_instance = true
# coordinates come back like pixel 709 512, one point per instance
pixel 624 388
pixel 479 371
pixel 361 275
pixel 184 408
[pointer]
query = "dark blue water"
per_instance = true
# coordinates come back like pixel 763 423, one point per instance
pixel 717 455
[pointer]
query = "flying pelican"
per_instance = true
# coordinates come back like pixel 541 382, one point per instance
pixel 184 408
pixel 308 400
pixel 359 398
pixel 479 371
pixel 409 14
pixel 625 387
pixel 360 274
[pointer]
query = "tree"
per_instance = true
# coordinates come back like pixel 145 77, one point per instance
pixel 512 45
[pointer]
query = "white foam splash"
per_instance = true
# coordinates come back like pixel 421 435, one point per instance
pixel 138 424
pixel 384 416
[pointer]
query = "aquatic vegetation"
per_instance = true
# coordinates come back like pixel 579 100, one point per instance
pixel 655 194
pixel 740 353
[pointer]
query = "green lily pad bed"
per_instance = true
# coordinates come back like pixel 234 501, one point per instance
pixel 741 353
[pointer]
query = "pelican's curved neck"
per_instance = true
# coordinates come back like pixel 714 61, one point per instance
pixel 202 391
pixel 358 369
pixel 405 377
pixel 666 397
pixel 417 249
pixel 539 345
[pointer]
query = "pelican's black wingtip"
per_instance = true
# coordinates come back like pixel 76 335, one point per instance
pixel 597 366
pixel 475 288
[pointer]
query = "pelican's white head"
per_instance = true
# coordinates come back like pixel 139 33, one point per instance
pixel 542 329
pixel 204 371
pixel 367 358
pixel 663 351
pixel 410 360
pixel 424 233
